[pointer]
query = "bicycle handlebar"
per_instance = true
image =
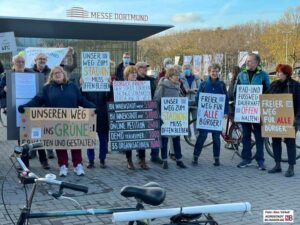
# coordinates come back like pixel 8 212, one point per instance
pixel 27 147
pixel 63 184
pixel 159 213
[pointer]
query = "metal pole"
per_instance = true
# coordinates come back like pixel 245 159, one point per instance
pixel 286 46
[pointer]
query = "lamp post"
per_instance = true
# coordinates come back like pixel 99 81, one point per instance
pixel 286 44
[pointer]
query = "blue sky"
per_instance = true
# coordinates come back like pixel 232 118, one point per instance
pixel 183 14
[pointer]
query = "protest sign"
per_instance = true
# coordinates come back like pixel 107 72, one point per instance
pixel 218 58
pixel 134 125
pixel 207 60
pixel 95 71
pixel 187 59
pixel 125 91
pixel 210 111
pixel 176 60
pixel 59 128
pixel 242 58
pixel 247 107
pixel 54 55
pixel 174 113
pixel 277 114
pixel 197 59
pixel 8 43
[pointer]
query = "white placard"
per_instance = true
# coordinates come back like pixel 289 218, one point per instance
pixel 95 71
pixel 174 113
pixel 210 111
pixel 54 55
pixel 176 60
pixel 125 91
pixel 25 85
pixel 207 60
pixel 242 58
pixel 218 58
pixel 8 43
pixel 187 59
pixel 197 59
pixel 247 106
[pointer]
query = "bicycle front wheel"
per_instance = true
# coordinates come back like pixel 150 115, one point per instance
pixel 191 138
pixel 235 139
pixel 284 157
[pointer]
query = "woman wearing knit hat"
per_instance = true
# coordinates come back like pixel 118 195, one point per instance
pixel 285 84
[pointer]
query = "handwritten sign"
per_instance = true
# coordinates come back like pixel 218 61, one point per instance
pixel 95 71
pixel 125 91
pixel 174 113
pixel 247 107
pixel 134 125
pixel 197 60
pixel 59 128
pixel 8 42
pixel 54 55
pixel 210 111
pixel 277 114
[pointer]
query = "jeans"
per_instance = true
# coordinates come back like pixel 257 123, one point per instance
pixel 154 153
pixel 246 152
pixel 103 138
pixel 290 146
pixel 176 145
pixel 201 139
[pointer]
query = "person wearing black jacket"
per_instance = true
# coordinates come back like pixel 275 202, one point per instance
pixel 121 67
pixel 285 85
pixel 40 66
pixel 59 93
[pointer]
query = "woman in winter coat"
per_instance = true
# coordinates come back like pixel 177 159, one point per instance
pixel 59 93
pixel 285 84
pixel 169 86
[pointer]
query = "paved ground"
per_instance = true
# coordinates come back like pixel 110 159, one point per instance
pixel 200 185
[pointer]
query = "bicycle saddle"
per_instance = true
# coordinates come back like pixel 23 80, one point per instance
pixel 151 193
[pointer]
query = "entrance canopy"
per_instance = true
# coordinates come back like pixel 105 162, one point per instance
pixel 78 29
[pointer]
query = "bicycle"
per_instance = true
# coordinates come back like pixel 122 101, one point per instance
pixel 232 136
pixel 150 193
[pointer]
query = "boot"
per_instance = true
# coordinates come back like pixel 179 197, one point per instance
pixel 195 161
pixel 290 171
pixel 45 165
pixel 130 164
pixel 91 164
pixel 102 164
pixel 143 164
pixel 276 168
pixel 217 162
pixel 165 165
pixel 181 165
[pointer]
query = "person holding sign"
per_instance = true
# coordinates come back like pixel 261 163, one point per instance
pixel 130 74
pixel 285 84
pixel 252 74
pixel 169 87
pixel 215 86
pixel 59 93
pixel 121 67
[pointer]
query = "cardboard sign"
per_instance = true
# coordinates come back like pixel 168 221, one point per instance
pixel 187 59
pixel 125 91
pixel 134 125
pixel 277 114
pixel 54 55
pixel 59 128
pixel 176 60
pixel 174 113
pixel 8 43
pixel 210 111
pixel 247 107
pixel 95 71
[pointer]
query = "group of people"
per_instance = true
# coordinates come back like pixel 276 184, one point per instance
pixel 172 81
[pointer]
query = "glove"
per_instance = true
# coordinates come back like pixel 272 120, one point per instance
pixel 21 109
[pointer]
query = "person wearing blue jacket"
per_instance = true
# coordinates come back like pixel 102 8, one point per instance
pixel 215 86
pixel 252 74
pixel 59 93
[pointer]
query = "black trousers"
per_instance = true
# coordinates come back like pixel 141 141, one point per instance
pixel 291 149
